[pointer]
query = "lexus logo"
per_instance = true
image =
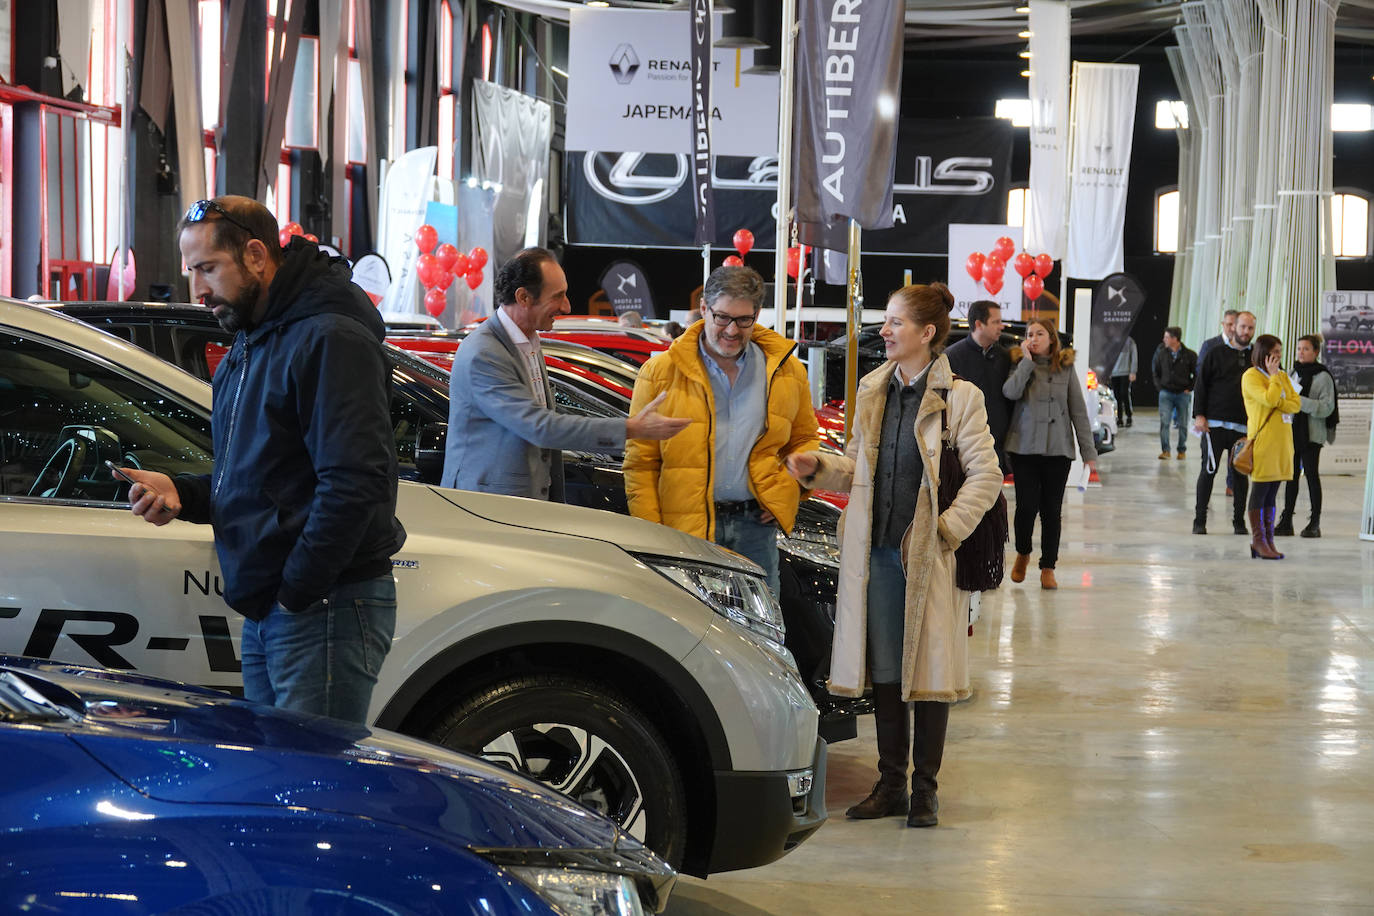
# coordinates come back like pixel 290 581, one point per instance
pixel 624 63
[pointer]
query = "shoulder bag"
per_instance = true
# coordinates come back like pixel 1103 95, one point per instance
pixel 979 560
pixel 1243 452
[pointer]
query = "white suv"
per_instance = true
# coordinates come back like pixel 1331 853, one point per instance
pixel 637 669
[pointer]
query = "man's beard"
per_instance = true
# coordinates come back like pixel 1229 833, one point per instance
pixel 239 310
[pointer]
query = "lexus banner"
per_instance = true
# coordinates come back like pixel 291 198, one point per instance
pixel 947 171
pixel 849 83
pixel 1116 305
pixel 1104 125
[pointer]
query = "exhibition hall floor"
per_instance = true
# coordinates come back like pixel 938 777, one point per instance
pixel 1177 729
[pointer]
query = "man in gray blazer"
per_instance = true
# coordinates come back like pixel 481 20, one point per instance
pixel 504 430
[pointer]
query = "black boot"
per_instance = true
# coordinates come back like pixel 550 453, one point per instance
pixel 927 750
pixel 894 736
pixel 1238 525
pixel 1313 529
pixel 1284 526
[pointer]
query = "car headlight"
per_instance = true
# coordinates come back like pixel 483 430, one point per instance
pixel 732 593
pixel 582 893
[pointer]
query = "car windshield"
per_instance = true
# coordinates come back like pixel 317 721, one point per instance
pixel 21 702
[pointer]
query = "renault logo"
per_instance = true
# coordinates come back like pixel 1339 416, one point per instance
pixel 624 63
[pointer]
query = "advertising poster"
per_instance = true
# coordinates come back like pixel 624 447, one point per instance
pixel 627 289
pixel 1117 303
pixel 966 239
pixel 1347 329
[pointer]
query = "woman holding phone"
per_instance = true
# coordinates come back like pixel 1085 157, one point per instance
pixel 1270 403
pixel 901 622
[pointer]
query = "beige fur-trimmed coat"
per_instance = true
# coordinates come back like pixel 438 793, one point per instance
pixel 935 649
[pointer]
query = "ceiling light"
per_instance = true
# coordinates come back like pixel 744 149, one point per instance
pixel 1024 33
pixel 1023 9
pixel 1026 73
pixel 1024 54
pixel 597 3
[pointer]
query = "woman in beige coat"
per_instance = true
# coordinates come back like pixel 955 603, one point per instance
pixel 901 623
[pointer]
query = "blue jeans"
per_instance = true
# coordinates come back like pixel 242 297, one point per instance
pixel 323 660
pixel 1173 407
pixel 743 533
pixel 886 614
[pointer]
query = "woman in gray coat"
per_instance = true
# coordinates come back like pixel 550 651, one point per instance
pixel 1048 414
pixel 1313 427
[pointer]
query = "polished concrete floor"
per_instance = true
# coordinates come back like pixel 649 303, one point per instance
pixel 1177 729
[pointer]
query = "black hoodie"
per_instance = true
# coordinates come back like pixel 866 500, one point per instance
pixel 303 493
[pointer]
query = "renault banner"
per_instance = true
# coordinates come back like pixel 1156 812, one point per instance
pixel 1117 303
pixel 849 82
pixel 631 86
pixel 1103 127
pixel 948 171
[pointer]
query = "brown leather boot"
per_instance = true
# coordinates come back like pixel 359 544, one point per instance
pixel 927 751
pixel 1260 546
pixel 1018 569
pixel 1047 579
pixel 893 723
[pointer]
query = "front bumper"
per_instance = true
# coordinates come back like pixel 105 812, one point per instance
pixel 758 820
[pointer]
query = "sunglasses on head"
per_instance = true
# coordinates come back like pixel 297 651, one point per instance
pixel 201 208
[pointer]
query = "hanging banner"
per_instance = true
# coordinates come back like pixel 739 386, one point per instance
pixel 631 81
pixel 1048 200
pixel 1117 303
pixel 627 289
pixel 705 232
pixel 1103 108
pixel 947 171
pixel 1004 289
pixel 409 185
pixel 511 135
pixel 849 80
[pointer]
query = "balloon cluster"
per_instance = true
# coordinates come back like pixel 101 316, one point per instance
pixel 285 233
pixel 439 265
pixel 989 268
pixel 744 243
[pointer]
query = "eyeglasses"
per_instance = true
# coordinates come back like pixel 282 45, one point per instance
pixel 743 322
pixel 200 208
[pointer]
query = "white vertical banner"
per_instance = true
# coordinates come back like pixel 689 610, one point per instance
pixel 1047 210
pixel 408 188
pixel 1103 123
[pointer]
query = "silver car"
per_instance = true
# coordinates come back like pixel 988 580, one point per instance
pixel 637 669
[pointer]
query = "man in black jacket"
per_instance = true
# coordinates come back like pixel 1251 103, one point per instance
pixel 303 492
pixel 1219 415
pixel 981 358
pixel 1174 370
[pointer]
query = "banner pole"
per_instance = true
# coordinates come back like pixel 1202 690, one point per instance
pixel 855 307
pixel 786 95
pixel 705 271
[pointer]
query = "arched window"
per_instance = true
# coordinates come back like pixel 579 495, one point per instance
pixel 1166 221
pixel 1350 225
pixel 1018 206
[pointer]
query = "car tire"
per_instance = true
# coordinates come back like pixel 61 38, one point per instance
pixel 584 740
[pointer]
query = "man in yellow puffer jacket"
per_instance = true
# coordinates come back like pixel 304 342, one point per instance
pixel 723 478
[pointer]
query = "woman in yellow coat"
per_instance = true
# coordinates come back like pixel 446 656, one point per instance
pixel 1270 403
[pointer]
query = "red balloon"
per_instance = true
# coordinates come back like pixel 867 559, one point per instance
pixel 436 300
pixel 447 255
pixel 461 265
pixel 744 241
pixel 477 258
pixel 974 265
pixel 1033 286
pixel 474 278
pixel 793 261
pixel 426 237
pixel 732 261
pixel 294 229
pixel 444 280
pixel 1043 265
pixel 311 237
pixel 1023 263
pixel 283 237
pixel 1005 248
pixel 993 269
pixel 427 268
pixel 992 286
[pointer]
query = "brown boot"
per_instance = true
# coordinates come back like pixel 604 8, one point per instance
pixel 927 751
pixel 1047 579
pixel 1018 569
pixel 893 723
pixel 1260 546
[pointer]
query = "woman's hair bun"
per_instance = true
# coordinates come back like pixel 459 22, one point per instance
pixel 945 294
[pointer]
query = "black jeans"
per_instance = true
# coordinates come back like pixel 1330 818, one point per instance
pixel 1264 494
pixel 1222 440
pixel 1040 481
pixel 1305 461
pixel 1121 387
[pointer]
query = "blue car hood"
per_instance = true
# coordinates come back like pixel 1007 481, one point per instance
pixel 183 744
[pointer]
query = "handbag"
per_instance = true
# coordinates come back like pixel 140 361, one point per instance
pixel 1243 452
pixel 979 562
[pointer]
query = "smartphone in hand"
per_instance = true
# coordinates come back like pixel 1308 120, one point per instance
pixel 117 474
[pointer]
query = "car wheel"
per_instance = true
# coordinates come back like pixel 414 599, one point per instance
pixel 585 741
